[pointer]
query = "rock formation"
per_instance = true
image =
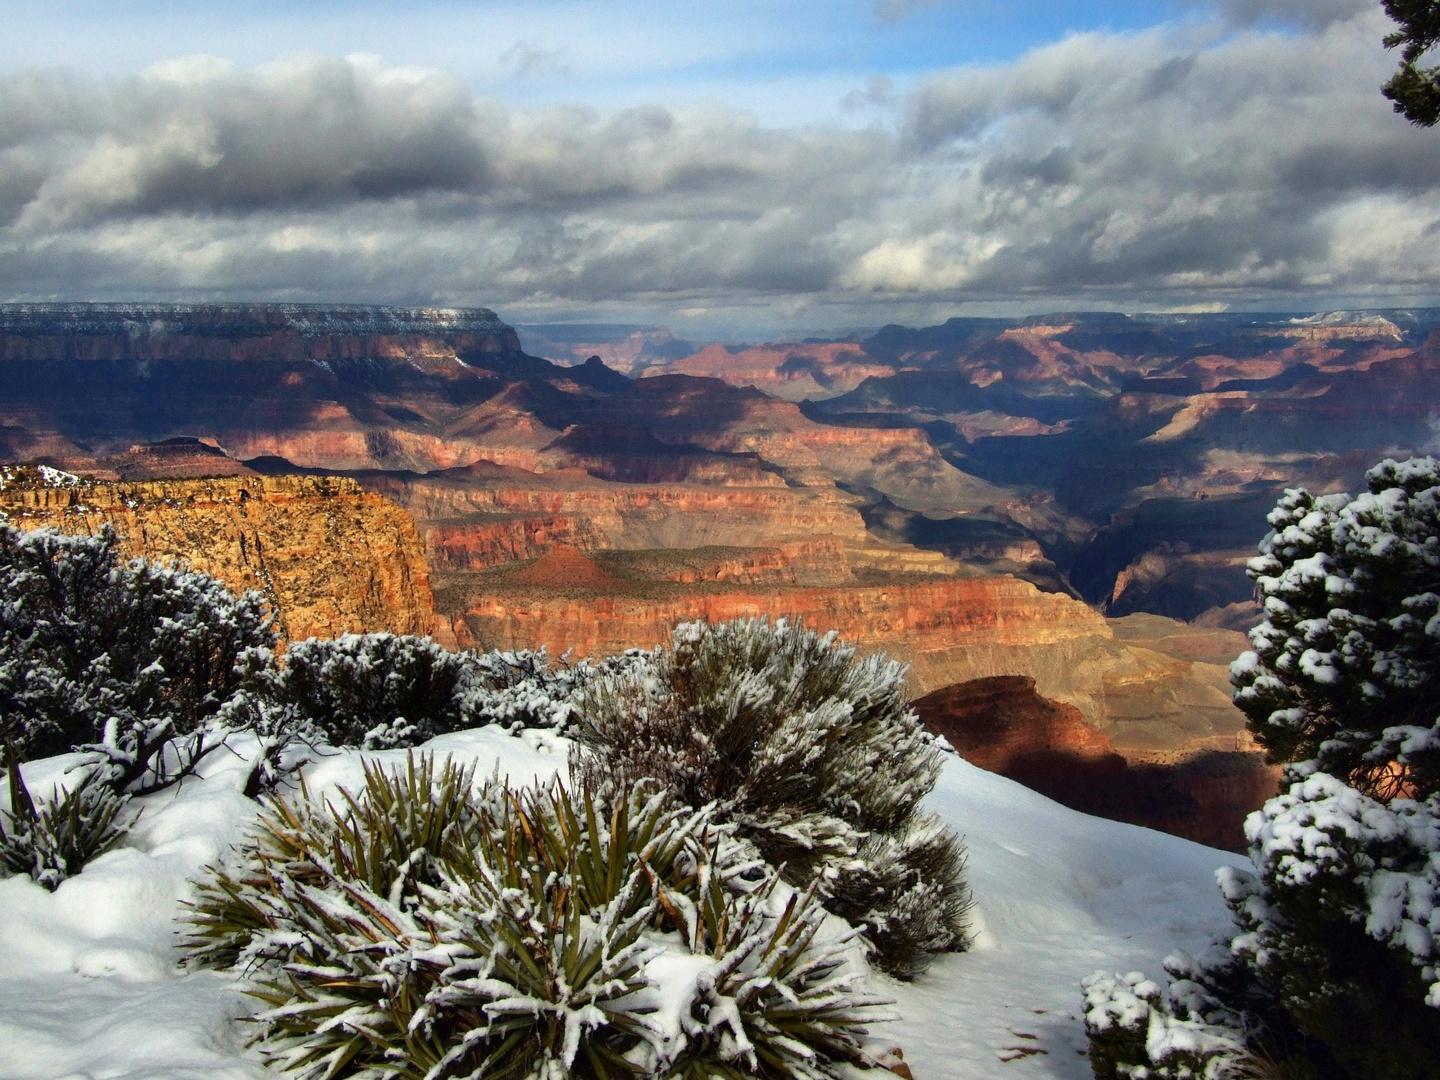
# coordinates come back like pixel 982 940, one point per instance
pixel 329 557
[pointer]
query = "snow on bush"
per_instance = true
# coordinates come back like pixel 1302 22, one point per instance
pixel 812 754
pixel 130 662
pixel 55 840
pixel 374 691
pixel 386 691
pixel 427 927
pixel 1334 965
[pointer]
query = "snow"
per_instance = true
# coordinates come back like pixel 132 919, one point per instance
pixel 90 985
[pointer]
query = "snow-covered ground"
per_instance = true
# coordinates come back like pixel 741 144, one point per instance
pixel 90 986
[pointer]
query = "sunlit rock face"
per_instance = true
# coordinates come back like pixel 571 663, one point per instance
pixel 329 558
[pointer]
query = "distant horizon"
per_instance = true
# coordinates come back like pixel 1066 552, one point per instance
pixel 598 331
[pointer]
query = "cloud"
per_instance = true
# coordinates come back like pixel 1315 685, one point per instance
pixel 524 59
pixel 1158 169
pixel 1309 13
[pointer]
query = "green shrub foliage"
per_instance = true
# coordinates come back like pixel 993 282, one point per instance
pixel 387 691
pixel 55 840
pixel 1333 970
pixel 429 928
pixel 129 661
pixel 813 755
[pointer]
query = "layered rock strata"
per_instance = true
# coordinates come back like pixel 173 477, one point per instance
pixel 329 557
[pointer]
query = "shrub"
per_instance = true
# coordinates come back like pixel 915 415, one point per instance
pixel 813 755
pixel 376 691
pixel 385 691
pixel 132 662
pixel 55 841
pixel 1331 970
pixel 428 928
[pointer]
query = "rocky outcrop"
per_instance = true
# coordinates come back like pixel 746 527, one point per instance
pixel 1003 725
pixel 329 557
pixel 947 629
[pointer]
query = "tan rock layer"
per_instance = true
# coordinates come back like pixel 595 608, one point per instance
pixel 329 557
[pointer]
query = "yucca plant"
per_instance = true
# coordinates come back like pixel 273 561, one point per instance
pixel 427 927
pixel 771 1001
pixel 55 840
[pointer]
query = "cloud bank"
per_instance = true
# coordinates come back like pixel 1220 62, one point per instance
pixel 1171 167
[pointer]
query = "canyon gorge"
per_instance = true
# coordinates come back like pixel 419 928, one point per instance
pixel 1046 519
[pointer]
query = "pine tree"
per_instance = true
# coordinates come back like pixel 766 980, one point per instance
pixel 1333 966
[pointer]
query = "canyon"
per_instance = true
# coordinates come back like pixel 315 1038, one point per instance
pixel 1067 500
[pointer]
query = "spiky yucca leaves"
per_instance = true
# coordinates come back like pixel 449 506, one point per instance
pixel 767 999
pixel 55 840
pixel 813 754
pixel 428 928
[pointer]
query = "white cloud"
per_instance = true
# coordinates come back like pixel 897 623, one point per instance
pixel 1167 168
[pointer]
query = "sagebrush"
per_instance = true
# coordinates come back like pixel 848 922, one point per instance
pixel 811 752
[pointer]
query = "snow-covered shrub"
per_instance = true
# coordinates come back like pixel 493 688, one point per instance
pixel 426 927
pixel 525 689
pixel 383 691
pixel 1337 932
pixel 1215 1021
pixel 1340 920
pixel 812 754
pixel 129 661
pixel 55 840
pixel 376 691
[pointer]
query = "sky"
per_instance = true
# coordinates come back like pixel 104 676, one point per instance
pixel 735 170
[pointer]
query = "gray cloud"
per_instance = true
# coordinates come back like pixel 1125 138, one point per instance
pixel 1104 169
pixel 1312 13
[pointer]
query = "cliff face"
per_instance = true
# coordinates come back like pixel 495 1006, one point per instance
pixel 948 629
pixel 329 557
pixel 486 515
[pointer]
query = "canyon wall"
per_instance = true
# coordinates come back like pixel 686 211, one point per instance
pixel 329 557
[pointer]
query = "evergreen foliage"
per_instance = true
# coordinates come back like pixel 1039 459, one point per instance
pixel 55 840
pixel 813 755
pixel 129 661
pixel 427 928
pixel 1334 966
pixel 1415 90
pixel 1345 672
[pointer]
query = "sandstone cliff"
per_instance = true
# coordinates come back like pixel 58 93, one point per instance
pixel 329 557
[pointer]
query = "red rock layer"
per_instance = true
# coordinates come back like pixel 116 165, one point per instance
pixel 908 619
